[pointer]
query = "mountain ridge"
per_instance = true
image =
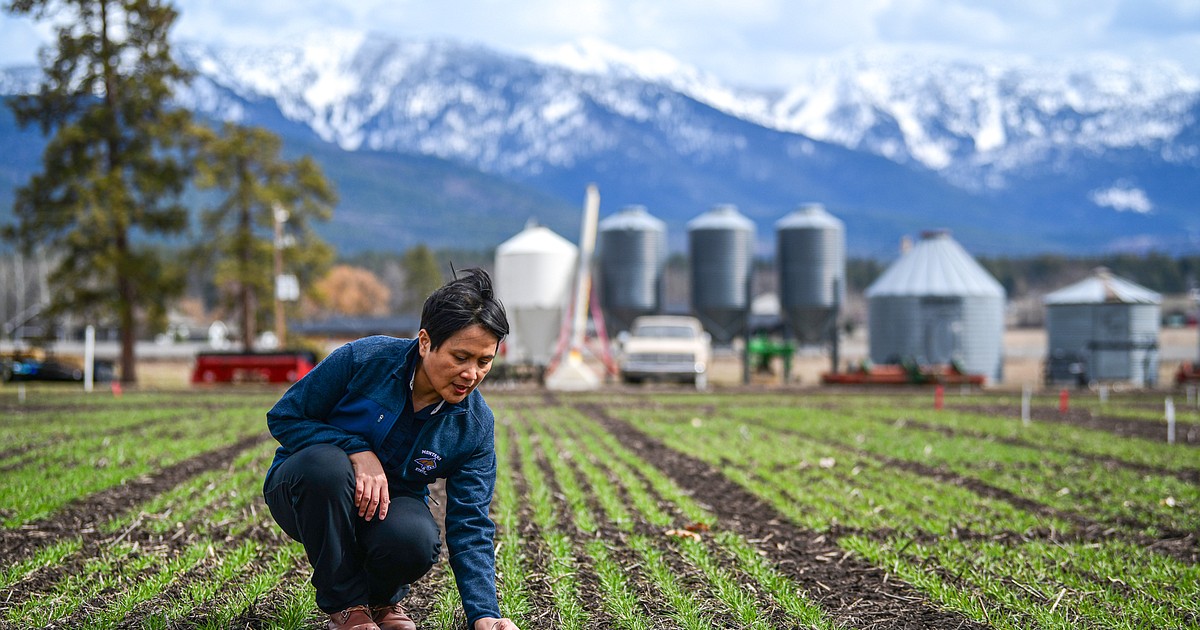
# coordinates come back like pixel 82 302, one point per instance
pixel 1013 159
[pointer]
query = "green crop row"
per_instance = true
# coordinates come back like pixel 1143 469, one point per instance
pixel 819 485
pixel 1059 438
pixel 1067 482
pixel 820 466
pixel 627 492
pixel 50 476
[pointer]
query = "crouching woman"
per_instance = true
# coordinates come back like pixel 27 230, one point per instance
pixel 361 438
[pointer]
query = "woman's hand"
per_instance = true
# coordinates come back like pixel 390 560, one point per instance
pixel 491 623
pixel 370 485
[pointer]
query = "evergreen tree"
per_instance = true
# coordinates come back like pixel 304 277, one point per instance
pixel 245 163
pixel 421 277
pixel 114 167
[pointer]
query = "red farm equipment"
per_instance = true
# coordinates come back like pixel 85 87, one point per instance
pixel 258 367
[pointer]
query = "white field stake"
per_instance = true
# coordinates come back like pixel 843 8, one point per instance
pixel 1191 396
pixel 89 357
pixel 21 392
pixel 1170 420
pixel 1103 394
pixel 1026 395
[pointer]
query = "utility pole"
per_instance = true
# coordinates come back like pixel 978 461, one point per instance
pixel 1196 298
pixel 281 217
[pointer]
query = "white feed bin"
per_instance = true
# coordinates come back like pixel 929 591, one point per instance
pixel 534 274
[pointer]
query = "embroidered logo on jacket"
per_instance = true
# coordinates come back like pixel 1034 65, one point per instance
pixel 428 463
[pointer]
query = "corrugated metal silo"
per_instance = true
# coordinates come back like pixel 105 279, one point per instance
pixel 1103 328
pixel 937 305
pixel 721 251
pixel 534 274
pixel 810 253
pixel 631 256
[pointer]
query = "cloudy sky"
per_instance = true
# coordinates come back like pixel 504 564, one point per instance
pixel 749 42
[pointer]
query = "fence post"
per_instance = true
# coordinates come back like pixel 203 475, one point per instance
pixel 1026 396
pixel 1170 408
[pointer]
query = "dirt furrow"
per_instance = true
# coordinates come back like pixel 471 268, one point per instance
pixel 774 615
pixel 590 595
pixel 854 592
pixel 537 583
pixel 82 517
pixel 1181 546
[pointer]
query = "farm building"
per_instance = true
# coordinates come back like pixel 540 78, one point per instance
pixel 1103 328
pixel 937 305
pixel 535 271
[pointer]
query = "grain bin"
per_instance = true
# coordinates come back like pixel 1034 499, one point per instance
pixel 810 254
pixel 937 305
pixel 534 274
pixel 721 255
pixel 631 258
pixel 1102 328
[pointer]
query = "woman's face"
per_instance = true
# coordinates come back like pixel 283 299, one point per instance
pixel 456 367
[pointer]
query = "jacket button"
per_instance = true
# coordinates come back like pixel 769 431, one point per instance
pixel 380 418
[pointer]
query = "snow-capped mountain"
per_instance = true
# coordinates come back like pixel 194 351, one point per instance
pixel 1012 154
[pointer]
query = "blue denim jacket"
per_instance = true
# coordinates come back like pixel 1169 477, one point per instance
pixel 352 399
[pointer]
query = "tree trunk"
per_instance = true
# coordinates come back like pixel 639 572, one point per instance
pixel 125 315
pixel 249 306
pixel 248 310
pixel 126 291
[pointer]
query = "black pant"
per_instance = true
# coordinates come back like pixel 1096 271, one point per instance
pixel 355 561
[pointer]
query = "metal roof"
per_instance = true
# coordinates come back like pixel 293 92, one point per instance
pixel 1103 288
pixel 633 218
pixel 721 217
pixel 936 266
pixel 809 215
pixel 536 239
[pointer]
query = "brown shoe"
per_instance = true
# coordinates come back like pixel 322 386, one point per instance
pixel 392 617
pixel 353 618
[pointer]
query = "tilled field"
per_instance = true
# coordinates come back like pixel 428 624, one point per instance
pixel 637 509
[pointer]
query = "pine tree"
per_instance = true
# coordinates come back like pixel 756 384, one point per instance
pixel 421 277
pixel 245 163
pixel 114 168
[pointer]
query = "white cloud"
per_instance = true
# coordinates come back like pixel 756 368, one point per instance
pixel 1122 198
pixel 753 42
pixel 20 39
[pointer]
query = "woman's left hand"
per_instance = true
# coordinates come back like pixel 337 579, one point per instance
pixel 491 623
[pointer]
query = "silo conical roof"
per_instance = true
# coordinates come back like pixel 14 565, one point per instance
pixel 1102 287
pixel 809 215
pixel 936 266
pixel 537 239
pixel 633 218
pixel 721 217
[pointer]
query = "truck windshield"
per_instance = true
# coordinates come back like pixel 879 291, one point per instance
pixel 677 332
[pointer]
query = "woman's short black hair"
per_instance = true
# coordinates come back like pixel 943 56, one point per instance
pixel 465 301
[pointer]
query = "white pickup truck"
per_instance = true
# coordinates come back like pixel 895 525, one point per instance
pixel 665 347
